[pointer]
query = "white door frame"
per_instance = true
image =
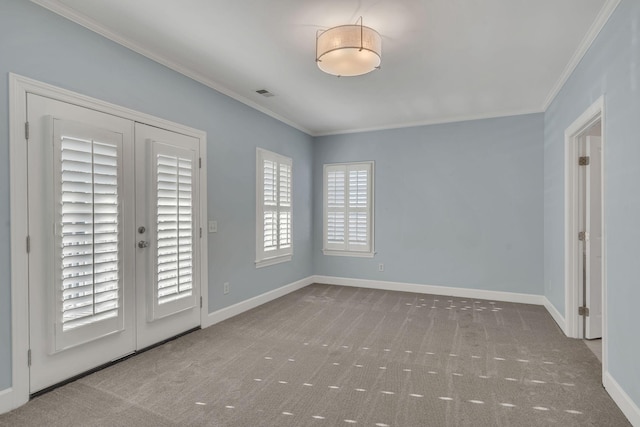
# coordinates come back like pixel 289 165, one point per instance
pixel 19 86
pixel 592 115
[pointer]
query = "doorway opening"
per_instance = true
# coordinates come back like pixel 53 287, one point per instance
pixel 585 288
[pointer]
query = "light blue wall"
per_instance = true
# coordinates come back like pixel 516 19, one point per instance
pixel 610 67
pixel 39 44
pixel 456 204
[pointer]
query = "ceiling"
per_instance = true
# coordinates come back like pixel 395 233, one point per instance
pixel 442 60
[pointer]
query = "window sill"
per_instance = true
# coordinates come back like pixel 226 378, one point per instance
pixel 273 261
pixel 349 253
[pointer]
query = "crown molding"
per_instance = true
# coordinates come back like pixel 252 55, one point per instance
pixel 597 26
pixel 441 121
pixel 80 19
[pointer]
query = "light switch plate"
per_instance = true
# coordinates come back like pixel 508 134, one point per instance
pixel 213 226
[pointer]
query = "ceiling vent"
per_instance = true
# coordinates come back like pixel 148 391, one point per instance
pixel 265 93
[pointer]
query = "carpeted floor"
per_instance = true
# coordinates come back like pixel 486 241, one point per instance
pixel 337 356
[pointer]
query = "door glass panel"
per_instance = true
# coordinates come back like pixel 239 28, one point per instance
pixel 88 227
pixel 174 221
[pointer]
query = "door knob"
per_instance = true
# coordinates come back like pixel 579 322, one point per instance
pixel 142 244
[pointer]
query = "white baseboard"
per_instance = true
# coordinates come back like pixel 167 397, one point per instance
pixel 233 310
pixel 434 290
pixel 10 400
pixel 628 407
pixel 6 399
pixel 553 311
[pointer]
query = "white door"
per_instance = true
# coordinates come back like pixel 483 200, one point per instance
pixel 167 232
pixel 81 270
pixel 101 287
pixel 593 293
pixel 590 220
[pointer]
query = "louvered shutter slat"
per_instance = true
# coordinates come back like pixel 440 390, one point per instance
pixel 335 225
pixel 335 221
pixel 174 212
pixel 269 182
pixel 270 231
pixel 285 229
pixel 89 231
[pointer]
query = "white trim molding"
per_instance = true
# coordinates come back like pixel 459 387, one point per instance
pixel 603 17
pixel 591 116
pixel 69 13
pixel 251 303
pixel 92 25
pixel 553 311
pixel 628 407
pixel 10 399
pixel 433 290
pixel 18 394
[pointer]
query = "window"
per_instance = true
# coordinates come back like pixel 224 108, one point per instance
pixel 273 208
pixel 348 209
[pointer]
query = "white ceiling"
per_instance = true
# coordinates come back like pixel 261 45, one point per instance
pixel 442 60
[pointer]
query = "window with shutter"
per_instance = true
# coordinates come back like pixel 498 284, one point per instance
pixel 273 208
pixel 348 209
pixel 88 232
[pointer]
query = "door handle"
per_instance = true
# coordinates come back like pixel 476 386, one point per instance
pixel 143 244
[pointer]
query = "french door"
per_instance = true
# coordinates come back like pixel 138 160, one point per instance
pixel 113 257
pixel 167 215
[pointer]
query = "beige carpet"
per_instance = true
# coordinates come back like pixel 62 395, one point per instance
pixel 335 356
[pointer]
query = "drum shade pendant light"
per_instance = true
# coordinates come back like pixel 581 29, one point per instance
pixel 348 50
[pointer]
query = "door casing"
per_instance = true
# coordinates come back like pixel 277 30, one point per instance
pixel 19 86
pixel 572 251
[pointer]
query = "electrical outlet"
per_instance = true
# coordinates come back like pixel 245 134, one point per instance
pixel 381 267
pixel 226 287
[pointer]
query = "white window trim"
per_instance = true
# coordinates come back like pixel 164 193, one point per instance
pixel 280 255
pixel 338 252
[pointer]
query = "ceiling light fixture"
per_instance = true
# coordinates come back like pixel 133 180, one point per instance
pixel 348 50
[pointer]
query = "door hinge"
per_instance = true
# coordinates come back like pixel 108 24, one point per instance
pixel 26 130
pixel 200 302
pixel 200 162
pixel 583 311
pixel 583 236
pixel 583 160
pixel 28 244
pixel 29 357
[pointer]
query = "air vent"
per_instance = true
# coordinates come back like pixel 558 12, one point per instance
pixel 265 93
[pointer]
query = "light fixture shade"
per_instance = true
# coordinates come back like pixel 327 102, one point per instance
pixel 348 50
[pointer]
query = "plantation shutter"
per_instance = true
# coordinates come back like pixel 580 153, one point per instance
pixel 274 207
pixel 336 208
pixel 270 205
pixel 348 207
pixel 87 186
pixel 174 177
pixel 284 206
pixel 358 209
